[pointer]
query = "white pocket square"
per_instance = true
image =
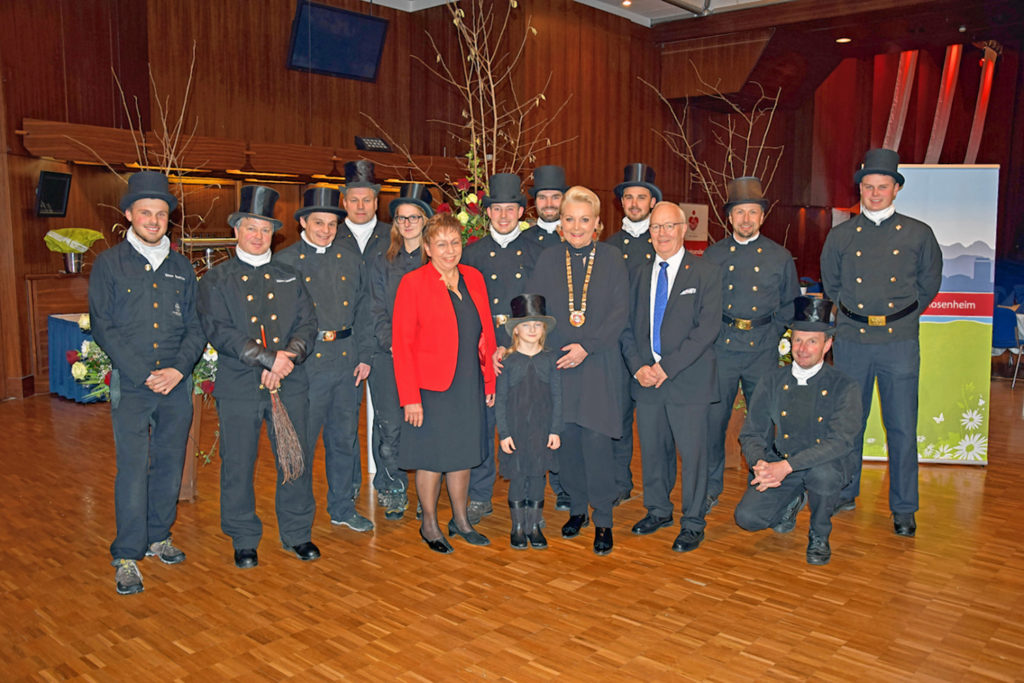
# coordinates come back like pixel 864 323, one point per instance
pixel 691 290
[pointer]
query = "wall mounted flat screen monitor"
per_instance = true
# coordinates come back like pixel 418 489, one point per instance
pixel 52 194
pixel 336 42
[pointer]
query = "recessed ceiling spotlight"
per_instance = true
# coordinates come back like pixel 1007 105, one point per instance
pixel 627 3
pixel 843 41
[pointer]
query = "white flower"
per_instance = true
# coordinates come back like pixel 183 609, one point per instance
pixel 209 354
pixel 920 438
pixel 523 225
pixel 85 348
pixel 971 420
pixel 870 440
pixel 943 451
pixel 471 198
pixel 971 447
pixel 463 217
pixel 981 401
pixel 78 370
pixel 939 419
pixel 83 323
pixel 784 346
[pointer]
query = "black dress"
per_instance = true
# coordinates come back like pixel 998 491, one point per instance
pixel 449 439
pixel 528 407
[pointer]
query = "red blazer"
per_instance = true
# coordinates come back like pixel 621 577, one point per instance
pixel 424 335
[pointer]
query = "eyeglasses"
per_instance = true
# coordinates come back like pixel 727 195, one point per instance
pixel 666 226
pixel 409 220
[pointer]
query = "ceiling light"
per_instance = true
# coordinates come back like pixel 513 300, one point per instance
pixel 843 41
pixel 627 3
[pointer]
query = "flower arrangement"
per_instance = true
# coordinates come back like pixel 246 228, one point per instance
pixel 466 199
pixel 90 366
pixel 786 348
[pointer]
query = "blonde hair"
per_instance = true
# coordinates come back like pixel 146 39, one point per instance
pixel 577 194
pixel 437 224
pixel 515 338
pixel 397 241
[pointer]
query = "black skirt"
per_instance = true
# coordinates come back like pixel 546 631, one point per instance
pixel 453 420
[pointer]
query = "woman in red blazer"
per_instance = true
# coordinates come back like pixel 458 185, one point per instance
pixel 442 343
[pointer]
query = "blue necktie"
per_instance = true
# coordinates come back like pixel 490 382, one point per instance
pixel 660 300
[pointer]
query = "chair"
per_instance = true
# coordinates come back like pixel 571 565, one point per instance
pixel 1005 335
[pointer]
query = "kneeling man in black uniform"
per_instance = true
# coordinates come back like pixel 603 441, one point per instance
pixel 814 412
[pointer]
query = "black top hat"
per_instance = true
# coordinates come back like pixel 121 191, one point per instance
pixel 745 190
pixel 527 307
pixel 148 185
pixel 319 199
pixel 504 188
pixel 548 178
pixel 812 314
pixel 256 201
pixel 880 160
pixel 638 175
pixel 417 194
pixel 360 174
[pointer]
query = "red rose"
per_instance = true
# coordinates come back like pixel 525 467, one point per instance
pixel 207 387
pixel 106 379
pixel 472 238
pixel 444 207
pixel 174 246
pixel 473 209
pixel 462 184
pixel 71 357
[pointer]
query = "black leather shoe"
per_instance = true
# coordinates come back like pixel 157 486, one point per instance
pixel 818 551
pixel 571 529
pixel 845 506
pixel 438 545
pixel 602 540
pixel 687 540
pixel 246 558
pixel 472 537
pixel 650 524
pixel 562 501
pixel 904 524
pixel 307 552
pixel 788 521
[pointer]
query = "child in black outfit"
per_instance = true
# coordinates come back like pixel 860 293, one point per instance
pixel 528 412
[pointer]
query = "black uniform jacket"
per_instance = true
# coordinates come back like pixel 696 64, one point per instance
pixel 880 270
pixel 688 333
pixel 636 251
pixel 380 240
pixel 812 424
pixel 145 319
pixel 505 272
pixel 592 392
pixel 384 278
pixel 758 279
pixel 235 299
pixel 338 283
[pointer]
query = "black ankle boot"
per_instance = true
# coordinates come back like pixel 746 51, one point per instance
pixel 517 539
pixel 534 517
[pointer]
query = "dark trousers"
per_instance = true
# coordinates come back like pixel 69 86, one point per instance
pixel 585 469
pixel 622 448
pixel 150 435
pixel 387 426
pixel 556 484
pixel 896 366
pixel 240 422
pixel 481 477
pixel 334 411
pixel 763 509
pixel 734 370
pixel 526 488
pixel 665 428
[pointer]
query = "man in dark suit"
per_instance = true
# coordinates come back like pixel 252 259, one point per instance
pixel 675 308
pixel 799 436
pixel 506 259
pixel 260 318
pixel 142 308
pixel 335 278
pixel 369 237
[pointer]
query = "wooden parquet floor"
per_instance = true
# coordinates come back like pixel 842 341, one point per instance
pixel 948 605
